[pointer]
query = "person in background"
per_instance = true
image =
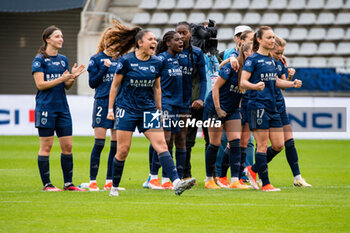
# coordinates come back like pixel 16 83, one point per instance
pixel 51 75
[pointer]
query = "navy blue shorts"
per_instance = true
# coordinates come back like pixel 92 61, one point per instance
pixel 185 110
pixel 244 114
pixel 128 121
pixel 262 119
pixel 48 122
pixel 284 118
pixel 209 113
pixel 99 114
pixel 171 117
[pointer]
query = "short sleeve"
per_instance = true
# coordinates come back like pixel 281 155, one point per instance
pixel 249 65
pixel 225 71
pixel 38 65
pixel 285 71
pixel 122 66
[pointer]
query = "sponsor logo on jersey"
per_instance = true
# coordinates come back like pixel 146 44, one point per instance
pixel 260 61
pixel 56 63
pixel 268 62
pixel 142 82
pixel 37 64
pixel 134 65
pixel 268 77
pixel 50 77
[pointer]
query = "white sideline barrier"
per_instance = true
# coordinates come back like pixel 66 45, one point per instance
pixel 16 116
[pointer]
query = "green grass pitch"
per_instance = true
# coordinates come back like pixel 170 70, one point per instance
pixel 25 208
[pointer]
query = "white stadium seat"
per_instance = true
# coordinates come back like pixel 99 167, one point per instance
pixel 347 62
pixel 278 4
pixel 225 34
pixel 204 4
pixel 326 48
pixel 298 34
pixel 315 4
pixel 231 45
pixel 347 5
pixel 307 19
pixel 316 34
pixel 166 4
pixel 177 17
pixel 308 48
pixel 251 18
pixel 291 48
pixel 196 18
pixel 233 18
pixel 335 34
pixel 148 4
pixel 222 4
pixel 334 4
pixel 342 18
pixel 218 17
pixel 221 47
pixel 157 32
pixel 240 4
pixel 343 48
pixel 288 18
pixel 300 62
pixel 258 4
pixel 296 4
pixel 141 18
pixel 185 4
pixel 165 30
pixel 282 32
pixel 325 19
pixel 336 62
pixel 269 19
pixel 159 18
pixel 318 62
pixel 347 34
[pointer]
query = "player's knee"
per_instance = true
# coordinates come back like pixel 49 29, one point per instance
pixel 123 151
pixel 278 147
pixel 46 149
pixel 67 148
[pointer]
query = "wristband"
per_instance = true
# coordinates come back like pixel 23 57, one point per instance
pixel 110 110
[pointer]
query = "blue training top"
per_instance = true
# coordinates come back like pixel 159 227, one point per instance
pixel 262 68
pixel 52 99
pixel 229 93
pixel 280 69
pixel 135 92
pixel 171 80
pixel 188 68
pixel 101 76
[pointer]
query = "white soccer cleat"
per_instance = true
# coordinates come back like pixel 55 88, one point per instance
pixel 184 185
pixel 114 192
pixel 300 182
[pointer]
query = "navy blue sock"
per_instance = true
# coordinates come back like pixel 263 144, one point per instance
pixel 168 165
pixel 150 155
pixel 155 164
pixel 180 156
pixel 261 163
pixel 243 157
pixel 67 167
pixel 118 167
pixel 235 157
pixel 187 170
pixel 111 155
pixel 95 157
pixel 44 169
pixel 225 162
pixel 210 159
pixel 171 154
pixel 270 154
pixel 292 156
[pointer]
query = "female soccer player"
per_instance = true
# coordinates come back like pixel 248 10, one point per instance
pixel 291 152
pixel 101 70
pixel 259 76
pixel 223 103
pixel 139 94
pixel 51 76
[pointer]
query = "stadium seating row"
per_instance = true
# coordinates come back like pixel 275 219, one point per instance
pixel 250 18
pixel 245 4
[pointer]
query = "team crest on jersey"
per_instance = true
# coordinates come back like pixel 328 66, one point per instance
pixel 43 121
pixel 63 63
pixel 152 68
pixel 161 58
pixel 98 120
pixel 91 62
pixel 227 71
pixel 279 67
pixel 37 64
pixel 119 66
pixel 259 121
pixel 268 62
pixel 248 63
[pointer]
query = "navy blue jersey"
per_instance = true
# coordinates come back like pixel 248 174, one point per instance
pixel 188 68
pixel 262 68
pixel 229 93
pixel 171 80
pixel 136 89
pixel 52 99
pixel 101 76
pixel 280 69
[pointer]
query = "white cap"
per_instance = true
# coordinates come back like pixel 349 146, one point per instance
pixel 242 28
